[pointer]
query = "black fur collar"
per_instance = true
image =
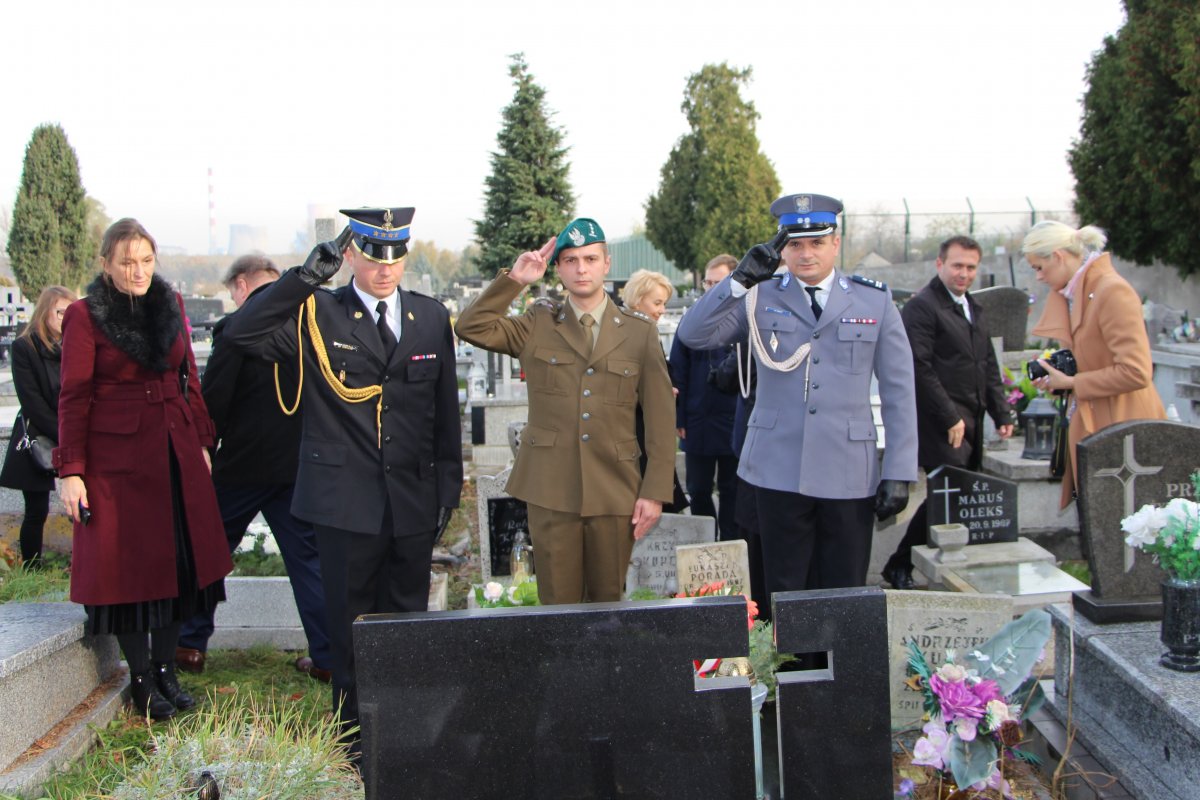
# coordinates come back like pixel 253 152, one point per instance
pixel 143 328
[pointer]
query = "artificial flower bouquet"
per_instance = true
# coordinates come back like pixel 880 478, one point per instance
pixel 494 595
pixel 711 667
pixel 1171 534
pixel 975 705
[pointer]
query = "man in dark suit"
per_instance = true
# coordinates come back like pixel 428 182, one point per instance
pixel 704 420
pixel 381 452
pixel 254 470
pixel 957 379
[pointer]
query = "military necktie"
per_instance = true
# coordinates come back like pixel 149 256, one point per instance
pixel 589 329
pixel 385 331
pixel 812 295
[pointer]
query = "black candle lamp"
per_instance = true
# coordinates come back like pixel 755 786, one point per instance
pixel 1038 421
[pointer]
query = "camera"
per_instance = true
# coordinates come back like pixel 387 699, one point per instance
pixel 1061 360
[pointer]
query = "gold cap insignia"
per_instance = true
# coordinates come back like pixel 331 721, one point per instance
pixel 387 220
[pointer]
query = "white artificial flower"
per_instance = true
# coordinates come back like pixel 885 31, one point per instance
pixel 998 711
pixel 952 673
pixel 512 594
pixel 492 591
pixel 1143 525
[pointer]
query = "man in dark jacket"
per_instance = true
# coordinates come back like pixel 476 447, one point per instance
pixel 380 467
pixel 957 380
pixel 254 470
pixel 704 420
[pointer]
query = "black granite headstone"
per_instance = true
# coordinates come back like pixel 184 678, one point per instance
pixel 506 516
pixel 1122 468
pixel 987 505
pixel 574 701
pixel 1006 312
pixel 835 736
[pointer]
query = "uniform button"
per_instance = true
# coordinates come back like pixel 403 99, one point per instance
pixel 591 371
pixel 385 407
pixel 859 335
pixel 586 437
pixel 388 439
pixel 387 378
pixel 553 359
pixel 816 359
pixel 587 415
pixel 815 387
pixel 626 372
pixel 388 468
pixel 816 334
pixel 316 454
pixel 587 392
pixel 812 410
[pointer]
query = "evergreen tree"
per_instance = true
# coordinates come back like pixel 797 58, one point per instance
pixel 1137 161
pixel 717 187
pixel 528 197
pixel 50 241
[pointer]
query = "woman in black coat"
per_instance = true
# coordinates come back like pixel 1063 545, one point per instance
pixel 36 357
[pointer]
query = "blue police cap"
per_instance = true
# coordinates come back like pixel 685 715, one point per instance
pixel 380 234
pixel 807 214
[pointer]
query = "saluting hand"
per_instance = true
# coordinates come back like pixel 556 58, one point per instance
pixel 325 259
pixel 531 265
pixel 760 261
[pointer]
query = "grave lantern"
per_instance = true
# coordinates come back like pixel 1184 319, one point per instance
pixel 1038 421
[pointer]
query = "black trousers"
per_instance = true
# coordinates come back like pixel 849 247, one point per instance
pixel 366 573
pixel 747 525
pixel 701 472
pixel 813 542
pixel 917 533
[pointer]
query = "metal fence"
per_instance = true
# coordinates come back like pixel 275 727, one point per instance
pixel 878 237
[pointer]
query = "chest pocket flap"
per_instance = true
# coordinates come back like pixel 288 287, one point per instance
pixel 554 357
pixel 857 332
pixel 776 322
pixel 421 370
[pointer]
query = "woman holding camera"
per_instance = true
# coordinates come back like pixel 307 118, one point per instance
pixel 1095 313
pixel 149 546
pixel 36 355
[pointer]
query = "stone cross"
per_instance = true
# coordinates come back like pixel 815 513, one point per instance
pixel 946 491
pixel 1127 473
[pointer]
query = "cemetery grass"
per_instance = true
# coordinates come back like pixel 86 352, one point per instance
pixel 49 583
pixel 291 722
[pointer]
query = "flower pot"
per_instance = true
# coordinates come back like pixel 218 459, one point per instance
pixel 1181 624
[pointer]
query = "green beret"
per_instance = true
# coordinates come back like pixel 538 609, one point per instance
pixel 579 233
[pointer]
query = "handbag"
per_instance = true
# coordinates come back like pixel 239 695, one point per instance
pixel 40 448
pixel 1062 444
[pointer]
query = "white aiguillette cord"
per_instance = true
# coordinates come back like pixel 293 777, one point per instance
pixel 789 364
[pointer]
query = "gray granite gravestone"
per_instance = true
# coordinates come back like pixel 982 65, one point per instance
pixel 835 738
pixel 572 701
pixel 937 622
pixel 501 517
pixel 1122 468
pixel 652 565
pixel 985 504
pixel 1006 310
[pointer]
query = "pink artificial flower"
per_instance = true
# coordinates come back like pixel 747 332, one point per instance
pixel 966 728
pixel 987 690
pixel 956 699
pixel 994 781
pixel 932 749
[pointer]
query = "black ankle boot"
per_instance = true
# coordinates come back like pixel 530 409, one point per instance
pixel 147 699
pixel 168 684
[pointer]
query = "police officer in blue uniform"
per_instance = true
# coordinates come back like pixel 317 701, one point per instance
pixel 380 467
pixel 816 337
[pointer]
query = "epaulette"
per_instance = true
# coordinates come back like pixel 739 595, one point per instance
pixel 629 312
pixel 874 284
pixel 546 303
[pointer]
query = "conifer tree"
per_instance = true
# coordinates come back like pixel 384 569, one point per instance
pixel 528 197
pixel 49 241
pixel 716 187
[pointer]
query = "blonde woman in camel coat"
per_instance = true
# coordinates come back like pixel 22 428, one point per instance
pixel 1095 313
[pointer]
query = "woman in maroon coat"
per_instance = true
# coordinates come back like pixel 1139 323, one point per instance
pixel 149 548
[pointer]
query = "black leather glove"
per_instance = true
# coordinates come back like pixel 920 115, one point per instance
pixel 890 498
pixel 443 522
pixel 760 261
pixel 325 259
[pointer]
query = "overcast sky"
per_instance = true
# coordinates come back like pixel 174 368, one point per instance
pixel 375 103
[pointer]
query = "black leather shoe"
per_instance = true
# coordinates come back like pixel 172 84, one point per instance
pixel 147 700
pixel 168 685
pixel 899 576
